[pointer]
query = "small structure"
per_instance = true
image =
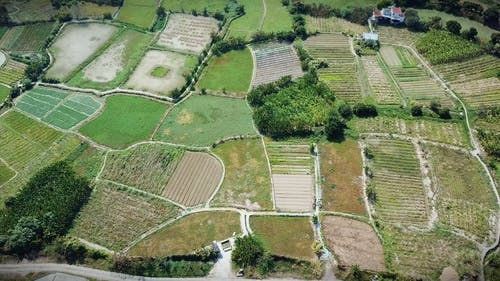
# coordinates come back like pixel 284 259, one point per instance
pixel 391 14
pixel 370 36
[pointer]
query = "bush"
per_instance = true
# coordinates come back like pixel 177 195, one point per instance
pixel 345 111
pixel 416 110
pixel 453 27
pixel 334 128
pixel 248 251
pixel 365 110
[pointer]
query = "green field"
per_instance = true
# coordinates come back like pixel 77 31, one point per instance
pixel 198 5
pixel 343 3
pixel 189 234
pixel 122 56
pixel 4 93
pixel 250 23
pixel 204 120
pixel 231 72
pixel 11 72
pixel 27 38
pixel 277 17
pixel 247 181
pixel 6 173
pixel 125 120
pixel 59 108
pixel 86 160
pixel 140 13
pixel 285 236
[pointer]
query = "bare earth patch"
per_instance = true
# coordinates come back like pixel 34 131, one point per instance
pixel 77 43
pixel 106 66
pixel 293 192
pixel 144 80
pixel 187 33
pixel 354 242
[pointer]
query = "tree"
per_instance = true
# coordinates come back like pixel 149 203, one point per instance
pixel 383 4
pixel 491 18
pixel 472 10
pixel 334 128
pixel 435 23
pixel 412 20
pixel 449 6
pixel 25 237
pixel 416 110
pixel 470 34
pixel 453 26
pixel 4 16
pixel 248 251
pixel 345 111
pixel 365 110
pixel 435 106
pixel 176 93
pixel 240 10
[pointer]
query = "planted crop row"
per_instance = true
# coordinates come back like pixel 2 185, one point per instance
pixel 274 61
pixel 289 159
pixel 30 38
pixel 384 92
pixel 440 46
pixel 12 72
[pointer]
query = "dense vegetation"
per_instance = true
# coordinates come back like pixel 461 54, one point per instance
pixel 441 46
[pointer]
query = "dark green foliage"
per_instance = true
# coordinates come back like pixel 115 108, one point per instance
pixel 345 111
pixel 299 26
pixel 449 6
pixel 304 57
pixel 240 10
pixel 490 141
pixel 35 68
pixel 256 96
pixel 435 23
pixel 453 26
pixel 416 110
pixel 162 267
pixel 364 110
pixel 4 16
pixel 26 237
pixel 412 20
pixel 334 127
pixel 383 4
pixel 470 34
pixel 161 16
pixel 491 18
pixel 472 10
pixel 248 251
pixel 232 43
pixel 176 93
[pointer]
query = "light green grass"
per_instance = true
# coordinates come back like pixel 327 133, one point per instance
pixel 136 44
pixel 140 13
pixel 125 120
pixel 4 93
pixel 343 3
pixel 159 71
pixel 248 24
pixel 277 17
pixel 483 32
pixel 203 120
pixel 199 5
pixel 231 71
pixel 189 234
pixel 6 173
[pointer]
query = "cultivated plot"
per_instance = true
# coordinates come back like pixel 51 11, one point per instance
pixel 58 108
pixel 197 5
pixel 354 242
pixel 140 13
pixel 11 72
pixel 249 23
pixel 76 44
pixel 4 93
pixel 26 38
pixel 195 180
pixel 247 182
pixel 160 72
pixel 277 17
pixel 204 120
pixel 273 61
pixel 332 24
pixel 188 33
pixel 188 234
pixel 6 173
pixel 114 217
pixel 381 88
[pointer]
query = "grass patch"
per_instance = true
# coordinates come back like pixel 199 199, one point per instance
pixel 343 3
pixel 4 92
pixel 247 181
pixel 125 120
pixel 138 12
pixel 341 173
pixel 189 234
pixel 86 160
pixel 203 120
pixel 277 17
pixel 6 173
pixel 197 5
pixel 291 237
pixel 250 23
pixel 231 72
pixel 159 71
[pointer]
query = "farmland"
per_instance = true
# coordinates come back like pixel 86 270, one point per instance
pixel 114 217
pixel 249 23
pixel 205 174
pixel 277 17
pixel 146 166
pixel 188 234
pixel 441 46
pixel 4 92
pixel 58 108
pixel 247 181
pixel 230 72
pixel 341 75
pixel 381 87
pixel 341 174
pixel 197 5
pixel 188 33
pixel 273 61
pixel 11 72
pixel 138 12
pixel 285 236
pixel 204 120
pixel 26 38
pixel 354 242
pixel 125 120
pixel 86 160
pixel 6 173
pixel 332 25
pixel 76 44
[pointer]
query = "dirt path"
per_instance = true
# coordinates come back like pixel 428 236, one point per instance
pixel 264 15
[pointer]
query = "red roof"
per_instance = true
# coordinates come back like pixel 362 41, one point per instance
pixel 377 13
pixel 396 10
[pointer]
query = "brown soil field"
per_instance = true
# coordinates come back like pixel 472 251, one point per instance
pixel 187 33
pixel 107 65
pixel 341 172
pixel 293 192
pixel 142 79
pixel 195 179
pixel 77 43
pixel 354 242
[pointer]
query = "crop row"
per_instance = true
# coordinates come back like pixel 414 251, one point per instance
pixel 274 61
pixel 289 158
pixel 28 38
pixel 12 72
pixel 468 70
pixel 382 89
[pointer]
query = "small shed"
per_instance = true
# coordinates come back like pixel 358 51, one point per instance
pixel 370 36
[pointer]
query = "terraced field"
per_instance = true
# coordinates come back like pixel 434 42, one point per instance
pixel 58 108
pixel 397 181
pixel 342 71
pixel 332 25
pixel 381 87
pixel 26 38
pixel 140 13
pixel 273 61
pixel 12 72
pixel 293 176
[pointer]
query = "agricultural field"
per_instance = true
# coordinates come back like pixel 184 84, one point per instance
pixel 187 33
pixel 332 25
pixel 441 46
pixel 76 44
pixel 114 217
pixel 195 179
pixel 393 35
pixel 204 120
pixel 114 65
pixel 11 72
pixel 147 166
pixel 26 38
pixel 292 171
pixel 341 75
pixel 291 237
pixel 341 177
pixel 125 120
pixel 231 72
pixel 84 10
pixel 6 173
pixel 247 181
pixel 4 93
pixel 465 200
pixel 86 160
pixel 161 72
pixel 249 23
pixel 396 179
pixel 277 17
pixel 188 234
pixel 58 108
pixel 197 5
pixel 343 3
pixel 381 86
pixel 273 61
pixel 140 13
pixel 33 10
pixel 354 242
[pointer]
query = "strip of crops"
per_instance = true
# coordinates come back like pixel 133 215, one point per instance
pixel 440 46
pixel 31 38
pixel 274 61
pixel 294 159
pixel 12 72
pixel 470 69
pixel 382 89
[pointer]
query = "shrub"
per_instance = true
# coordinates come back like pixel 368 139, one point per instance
pixel 416 110
pixel 345 111
pixel 453 27
pixel 248 251
pixel 365 110
pixel 334 128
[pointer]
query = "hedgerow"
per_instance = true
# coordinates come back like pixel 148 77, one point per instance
pixel 440 46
